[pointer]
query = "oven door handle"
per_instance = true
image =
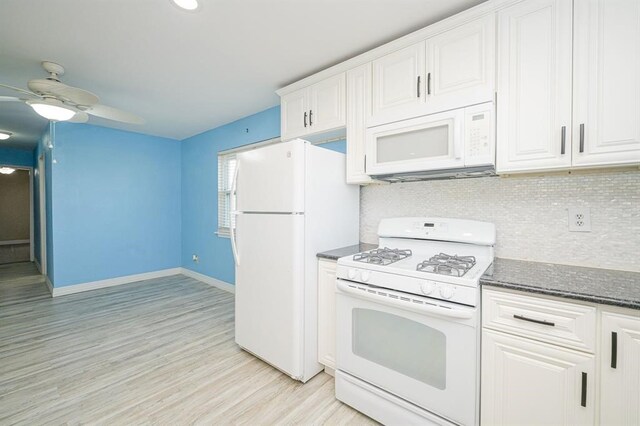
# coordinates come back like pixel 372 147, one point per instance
pixel 458 313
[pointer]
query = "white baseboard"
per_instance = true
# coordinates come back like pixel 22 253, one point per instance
pixel 37 265
pixel 77 288
pixel 222 285
pixel 49 285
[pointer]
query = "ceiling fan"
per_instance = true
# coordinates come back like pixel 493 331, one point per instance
pixel 56 101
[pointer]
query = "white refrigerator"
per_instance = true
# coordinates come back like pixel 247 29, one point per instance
pixel 291 203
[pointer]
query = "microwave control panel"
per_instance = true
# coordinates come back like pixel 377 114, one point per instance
pixel 479 138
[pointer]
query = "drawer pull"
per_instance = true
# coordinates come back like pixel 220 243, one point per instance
pixel 542 322
pixel 583 394
pixel 614 349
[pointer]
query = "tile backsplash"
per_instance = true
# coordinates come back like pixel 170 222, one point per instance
pixel 530 213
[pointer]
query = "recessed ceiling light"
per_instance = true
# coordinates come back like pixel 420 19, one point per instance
pixel 187 4
pixel 4 136
pixel 7 170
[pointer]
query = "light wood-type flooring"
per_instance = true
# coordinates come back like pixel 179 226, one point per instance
pixel 156 352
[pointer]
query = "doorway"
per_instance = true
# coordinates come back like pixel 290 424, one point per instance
pixel 16 214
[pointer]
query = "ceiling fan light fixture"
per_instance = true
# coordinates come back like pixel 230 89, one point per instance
pixel 186 4
pixel 51 109
pixel 4 136
pixel 7 170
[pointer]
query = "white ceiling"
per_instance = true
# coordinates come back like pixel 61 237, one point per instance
pixel 188 72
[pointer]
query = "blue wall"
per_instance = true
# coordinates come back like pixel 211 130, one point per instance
pixel 16 157
pixel 116 203
pixel 200 190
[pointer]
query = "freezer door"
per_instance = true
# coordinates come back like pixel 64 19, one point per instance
pixel 271 179
pixel 269 288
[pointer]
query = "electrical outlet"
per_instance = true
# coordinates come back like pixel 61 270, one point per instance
pixel 195 258
pixel 579 219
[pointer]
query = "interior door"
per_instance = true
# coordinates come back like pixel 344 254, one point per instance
pixel 271 179
pixel 461 66
pixel 607 82
pixel 534 85
pixel 269 288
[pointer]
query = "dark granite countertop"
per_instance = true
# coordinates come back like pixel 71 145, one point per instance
pixel 346 251
pixel 605 286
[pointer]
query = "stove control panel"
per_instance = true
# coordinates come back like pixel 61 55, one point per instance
pixel 468 295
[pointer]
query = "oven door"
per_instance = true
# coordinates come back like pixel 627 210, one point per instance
pixel 426 354
pixel 431 142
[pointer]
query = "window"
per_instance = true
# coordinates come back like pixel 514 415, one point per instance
pixel 226 197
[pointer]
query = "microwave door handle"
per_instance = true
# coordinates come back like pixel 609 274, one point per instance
pixel 457 146
pixel 407 305
pixel 232 231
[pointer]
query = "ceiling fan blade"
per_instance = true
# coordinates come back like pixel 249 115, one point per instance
pixel 61 90
pixel 9 99
pixel 114 114
pixel 17 89
pixel 80 117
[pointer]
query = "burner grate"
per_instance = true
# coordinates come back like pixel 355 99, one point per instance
pixel 382 256
pixel 446 264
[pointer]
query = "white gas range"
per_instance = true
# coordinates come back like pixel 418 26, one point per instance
pixel 408 321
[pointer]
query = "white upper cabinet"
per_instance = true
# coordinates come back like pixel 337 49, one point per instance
pixel 461 66
pixel 606 82
pixel 620 369
pixel 358 107
pixel 453 69
pixel 314 109
pixel 294 113
pixel 398 85
pixel 534 86
pixel 568 84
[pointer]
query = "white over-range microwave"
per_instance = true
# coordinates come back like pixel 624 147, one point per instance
pixel 456 143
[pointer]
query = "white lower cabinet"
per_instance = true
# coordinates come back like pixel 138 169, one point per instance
pixel 620 368
pixel 525 382
pixel 327 313
pixel 531 377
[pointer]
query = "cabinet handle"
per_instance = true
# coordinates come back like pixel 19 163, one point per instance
pixel 428 83
pixel 543 322
pixel 563 139
pixel 418 86
pixel 583 393
pixel 582 137
pixel 614 349
pixel 305 119
pixel 310 117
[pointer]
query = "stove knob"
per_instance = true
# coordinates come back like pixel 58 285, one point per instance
pixel 446 292
pixel 427 287
pixel 352 274
pixel 364 276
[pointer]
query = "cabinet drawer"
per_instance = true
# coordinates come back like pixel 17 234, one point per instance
pixel 560 323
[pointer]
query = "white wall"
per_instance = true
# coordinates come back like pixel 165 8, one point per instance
pixel 530 213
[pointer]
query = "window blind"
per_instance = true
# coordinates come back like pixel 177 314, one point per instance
pixel 226 198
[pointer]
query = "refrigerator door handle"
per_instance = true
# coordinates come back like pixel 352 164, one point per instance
pixel 232 230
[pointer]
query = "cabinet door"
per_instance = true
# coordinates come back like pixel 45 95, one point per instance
pixel 607 82
pixel 327 108
pixel 461 66
pixel 358 106
pixel 327 313
pixel 620 369
pixel 294 114
pixel 525 382
pixel 398 85
pixel 534 86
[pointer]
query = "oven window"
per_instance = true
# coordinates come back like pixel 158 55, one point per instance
pixel 424 143
pixel 402 345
